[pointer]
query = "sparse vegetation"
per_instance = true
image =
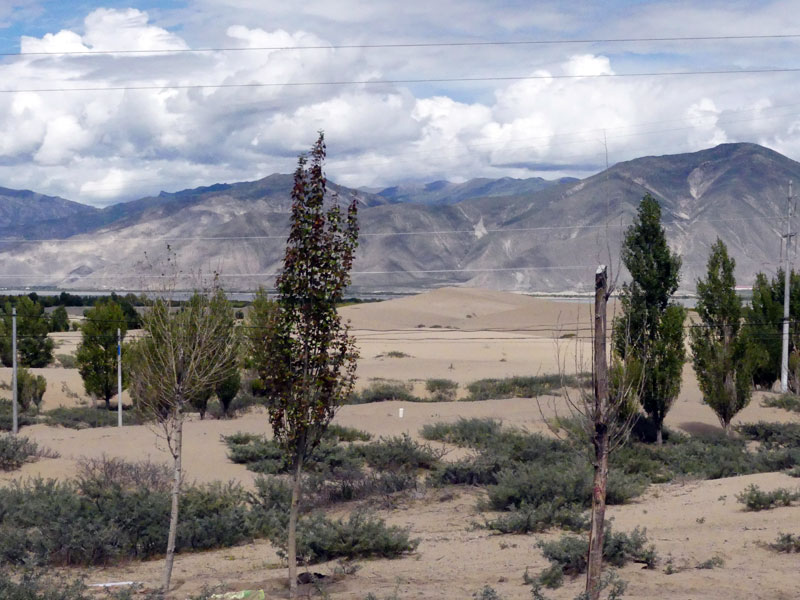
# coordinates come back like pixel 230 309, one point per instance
pixel 754 498
pixel 67 361
pixel 83 417
pixel 384 390
pixel 787 543
pixel 790 402
pixel 441 390
pixel 16 450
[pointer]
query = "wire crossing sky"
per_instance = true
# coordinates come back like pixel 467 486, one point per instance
pixel 168 95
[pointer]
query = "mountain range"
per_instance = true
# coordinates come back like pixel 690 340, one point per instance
pixel 513 234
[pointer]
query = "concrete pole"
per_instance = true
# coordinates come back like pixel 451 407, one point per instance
pixel 14 393
pixel 119 378
pixel 786 281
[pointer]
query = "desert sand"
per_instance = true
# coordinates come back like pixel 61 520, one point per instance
pixel 466 334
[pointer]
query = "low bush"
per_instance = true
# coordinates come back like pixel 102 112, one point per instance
pixel 473 433
pixel 6 416
pixel 345 486
pixel 16 450
pixel 441 390
pixel 787 543
pixel 399 453
pixel 266 456
pixel 517 387
pixel 85 417
pixel 480 470
pixel 110 471
pixel 384 390
pixel 30 390
pixel 755 499
pixel 347 434
pixel 67 361
pixel 772 435
pixel 536 520
pixel 36 585
pixel 788 402
pixel 568 554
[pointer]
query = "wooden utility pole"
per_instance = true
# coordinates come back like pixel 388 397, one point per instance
pixel 600 435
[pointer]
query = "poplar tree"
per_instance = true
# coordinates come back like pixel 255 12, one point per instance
pixel 650 329
pixel 97 353
pixel 309 368
pixel 723 359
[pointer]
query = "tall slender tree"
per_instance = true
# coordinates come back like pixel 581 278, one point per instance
pixel 723 359
pixel 309 369
pixel 650 328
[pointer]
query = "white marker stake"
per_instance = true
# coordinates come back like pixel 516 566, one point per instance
pixel 400 412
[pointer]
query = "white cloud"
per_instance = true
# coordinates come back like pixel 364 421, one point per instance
pixel 98 146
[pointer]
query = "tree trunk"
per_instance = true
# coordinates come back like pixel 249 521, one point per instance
pixel 173 516
pixel 292 541
pixel 599 438
pixel 659 435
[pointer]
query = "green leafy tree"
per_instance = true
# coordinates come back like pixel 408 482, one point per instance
pixel 309 359
pixel 183 354
pixel 764 325
pixel 227 389
pixel 34 348
pixel 30 389
pixel 723 359
pixel 59 320
pixel 97 352
pixel 650 329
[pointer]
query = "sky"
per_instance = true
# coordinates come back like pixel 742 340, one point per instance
pixel 102 102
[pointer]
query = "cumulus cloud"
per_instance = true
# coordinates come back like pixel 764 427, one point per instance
pixel 107 144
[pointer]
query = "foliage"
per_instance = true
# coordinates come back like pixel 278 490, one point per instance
pixel 59 320
pixel 764 319
pixel 399 453
pixel 39 585
pixel 723 359
pixel 383 390
pixel 34 348
pixel 227 389
pixel 517 387
pixel 567 555
pixel 650 328
pixel 441 390
pixel 30 389
pixel 537 520
pixel 342 433
pixel 755 499
pixel 789 402
pixel 787 543
pixel 6 416
pixel 83 417
pixel 16 450
pixel 97 353
pixel 772 435
pixel 473 433
pixel 68 361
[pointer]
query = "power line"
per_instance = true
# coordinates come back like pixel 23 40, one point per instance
pixel 478 44
pixel 769 70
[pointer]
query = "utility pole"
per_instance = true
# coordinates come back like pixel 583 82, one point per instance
pixel 14 393
pixel 119 378
pixel 599 436
pixel 785 348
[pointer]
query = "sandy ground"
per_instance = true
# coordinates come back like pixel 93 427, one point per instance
pixel 689 521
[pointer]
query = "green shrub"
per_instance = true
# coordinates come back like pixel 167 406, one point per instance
pixel 473 433
pixel 397 354
pixel 788 402
pixel 714 562
pixel 30 389
pixel 16 450
pixel 536 520
pixel 772 435
pixel 487 593
pixel 755 499
pixel 517 387
pixel 6 416
pixel 359 536
pixel 399 453
pixel 84 417
pixel 787 543
pixel 266 456
pixel 322 490
pixel 68 361
pixel 480 470
pixel 37 585
pixel 384 390
pixel 110 471
pixel 568 554
pixel 347 434
pixel 441 390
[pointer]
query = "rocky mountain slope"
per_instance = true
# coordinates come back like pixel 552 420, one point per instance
pixel 525 235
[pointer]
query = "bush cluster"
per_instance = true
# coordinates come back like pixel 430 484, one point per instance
pixel 790 402
pixel 787 543
pixel 441 390
pixel 383 390
pixel 754 498
pixel 518 387
pixel 85 417
pixel 16 450
pixel 772 435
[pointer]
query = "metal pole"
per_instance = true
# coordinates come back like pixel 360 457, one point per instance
pixel 14 394
pixel 119 378
pixel 785 347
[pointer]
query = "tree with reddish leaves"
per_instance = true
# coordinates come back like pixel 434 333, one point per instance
pixel 309 370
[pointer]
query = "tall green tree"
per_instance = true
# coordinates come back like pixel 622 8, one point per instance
pixel 34 348
pixel 723 359
pixel 650 329
pixel 97 352
pixel 309 369
pixel 764 318
pixel 183 353
pixel 59 320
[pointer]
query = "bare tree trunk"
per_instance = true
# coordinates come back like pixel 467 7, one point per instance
pixel 600 440
pixel 659 435
pixel 176 492
pixel 292 541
